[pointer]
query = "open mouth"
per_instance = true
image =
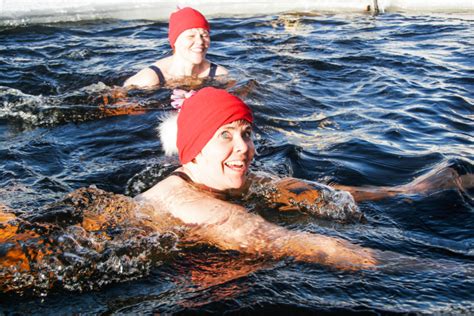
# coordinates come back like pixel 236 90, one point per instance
pixel 236 165
pixel 198 49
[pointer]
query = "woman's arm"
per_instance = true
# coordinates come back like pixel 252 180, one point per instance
pixel 438 179
pixel 290 194
pixel 294 194
pixel 230 227
pixel 250 233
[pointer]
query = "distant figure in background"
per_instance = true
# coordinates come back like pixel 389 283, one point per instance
pixel 189 38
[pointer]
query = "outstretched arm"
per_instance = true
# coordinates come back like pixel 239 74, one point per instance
pixel 291 194
pixel 231 227
pixel 116 101
pixel 438 179
pixel 250 233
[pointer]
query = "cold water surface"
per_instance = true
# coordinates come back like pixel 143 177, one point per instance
pixel 351 99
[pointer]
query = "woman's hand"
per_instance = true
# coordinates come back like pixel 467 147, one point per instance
pixel 330 251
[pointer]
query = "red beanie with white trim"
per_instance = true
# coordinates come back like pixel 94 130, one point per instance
pixel 202 115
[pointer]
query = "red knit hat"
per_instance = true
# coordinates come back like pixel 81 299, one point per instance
pixel 202 115
pixel 185 19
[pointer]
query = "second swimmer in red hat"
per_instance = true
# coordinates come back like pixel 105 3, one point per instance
pixel 189 38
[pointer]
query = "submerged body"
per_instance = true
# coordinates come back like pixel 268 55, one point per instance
pixel 231 227
pixel 92 237
pixel 88 239
pixel 202 201
pixel 189 36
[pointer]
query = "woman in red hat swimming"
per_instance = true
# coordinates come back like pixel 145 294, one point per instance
pixel 214 141
pixel 215 147
pixel 189 38
pixel 201 201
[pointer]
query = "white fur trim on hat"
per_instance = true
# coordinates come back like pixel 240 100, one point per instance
pixel 168 132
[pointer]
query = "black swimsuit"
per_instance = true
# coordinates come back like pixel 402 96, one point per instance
pixel 183 176
pixel 161 77
pixel 158 72
pixel 223 195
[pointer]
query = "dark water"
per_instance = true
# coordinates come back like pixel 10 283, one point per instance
pixel 352 99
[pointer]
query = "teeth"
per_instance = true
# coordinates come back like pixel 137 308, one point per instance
pixel 238 164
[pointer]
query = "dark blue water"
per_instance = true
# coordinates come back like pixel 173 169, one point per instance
pixel 351 99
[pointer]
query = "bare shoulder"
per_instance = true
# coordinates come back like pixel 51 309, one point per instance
pixel 221 71
pixel 162 189
pixel 147 77
pixel 187 203
pixel 144 78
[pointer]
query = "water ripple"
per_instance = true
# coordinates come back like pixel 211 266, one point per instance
pixel 349 98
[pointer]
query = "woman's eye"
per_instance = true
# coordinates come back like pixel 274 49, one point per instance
pixel 247 134
pixel 226 135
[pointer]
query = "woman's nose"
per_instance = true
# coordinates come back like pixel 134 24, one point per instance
pixel 198 38
pixel 240 144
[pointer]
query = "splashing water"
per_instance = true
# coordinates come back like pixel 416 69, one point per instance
pixel 89 239
pixel 315 199
pixel 353 99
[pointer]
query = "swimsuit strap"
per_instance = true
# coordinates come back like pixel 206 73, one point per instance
pixel 217 193
pixel 183 176
pixel 161 77
pixel 212 70
pixel 158 73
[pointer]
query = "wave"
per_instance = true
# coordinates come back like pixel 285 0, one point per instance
pixel 95 101
pixel 78 244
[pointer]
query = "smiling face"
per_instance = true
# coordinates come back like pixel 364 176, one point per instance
pixel 192 45
pixel 223 163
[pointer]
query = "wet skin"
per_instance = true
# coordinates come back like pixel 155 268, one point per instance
pixel 224 162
